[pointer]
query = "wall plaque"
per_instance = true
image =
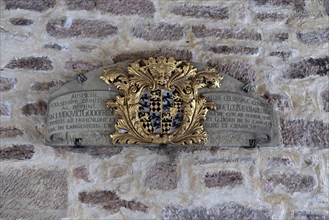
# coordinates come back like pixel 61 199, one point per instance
pixel 77 114
pixel 155 101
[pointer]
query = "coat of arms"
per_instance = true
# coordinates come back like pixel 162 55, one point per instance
pixel 160 103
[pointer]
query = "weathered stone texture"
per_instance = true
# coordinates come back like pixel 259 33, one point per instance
pixel 17 152
pixel 53 46
pixel 21 21
pixel 81 172
pixel 314 37
pixel 98 152
pixel 282 36
pixel 304 215
pixel 80 28
pixel 271 16
pixel 270 44
pixel 275 162
pixel 10 132
pixel 35 108
pixel 176 150
pixel 305 133
pixel 294 182
pixel 86 48
pixel 277 100
pixel 234 50
pixel 158 32
pixel 309 67
pixel 35 5
pixel 162 176
pixel 325 97
pixel 213 12
pixel 118 7
pixel 239 70
pixel 29 194
pixel 297 5
pixel 167 52
pixel 326 6
pixel 32 63
pixel 7 84
pixel 4 109
pixel 223 178
pixel 81 66
pixel 225 33
pixel 281 54
pixel 229 210
pixel 109 200
pixel 45 86
pixel 127 7
pixel 81 5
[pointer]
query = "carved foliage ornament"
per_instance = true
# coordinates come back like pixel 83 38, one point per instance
pixel 160 103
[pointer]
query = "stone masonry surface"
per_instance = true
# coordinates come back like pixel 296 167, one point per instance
pixel 279 47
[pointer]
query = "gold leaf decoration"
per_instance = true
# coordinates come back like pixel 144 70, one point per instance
pixel 160 102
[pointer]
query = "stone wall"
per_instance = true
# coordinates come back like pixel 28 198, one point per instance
pixel 280 47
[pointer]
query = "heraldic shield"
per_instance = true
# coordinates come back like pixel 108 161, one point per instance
pixel 160 103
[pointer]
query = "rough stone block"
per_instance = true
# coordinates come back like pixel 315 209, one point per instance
pixel 314 37
pixel 53 46
pixel 239 70
pixel 45 86
pixel 305 215
pixel 325 97
pixel 110 201
pixel 213 12
pixel 81 172
pixel 21 21
pixel 326 6
pixel 158 32
pixel 86 48
pixel 294 182
pixel 17 152
pixel 34 5
pixel 223 178
pixel 277 100
pixel 234 50
pixel 7 84
pixel 298 5
pixel 32 63
pixel 281 54
pixel 125 7
pixel 305 133
pixel 280 37
pixel 167 52
pixel 36 108
pixel 33 194
pixel 271 16
pixel 229 210
pixel 104 152
pixel 162 176
pixel 87 5
pixel 10 132
pixel 275 162
pixel 80 28
pixel 309 67
pixel 225 33
pixel 81 66
pixel 4 109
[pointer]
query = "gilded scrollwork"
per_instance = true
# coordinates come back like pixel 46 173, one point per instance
pixel 160 103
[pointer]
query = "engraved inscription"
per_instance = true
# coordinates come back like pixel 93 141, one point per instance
pixel 80 111
pixel 236 112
